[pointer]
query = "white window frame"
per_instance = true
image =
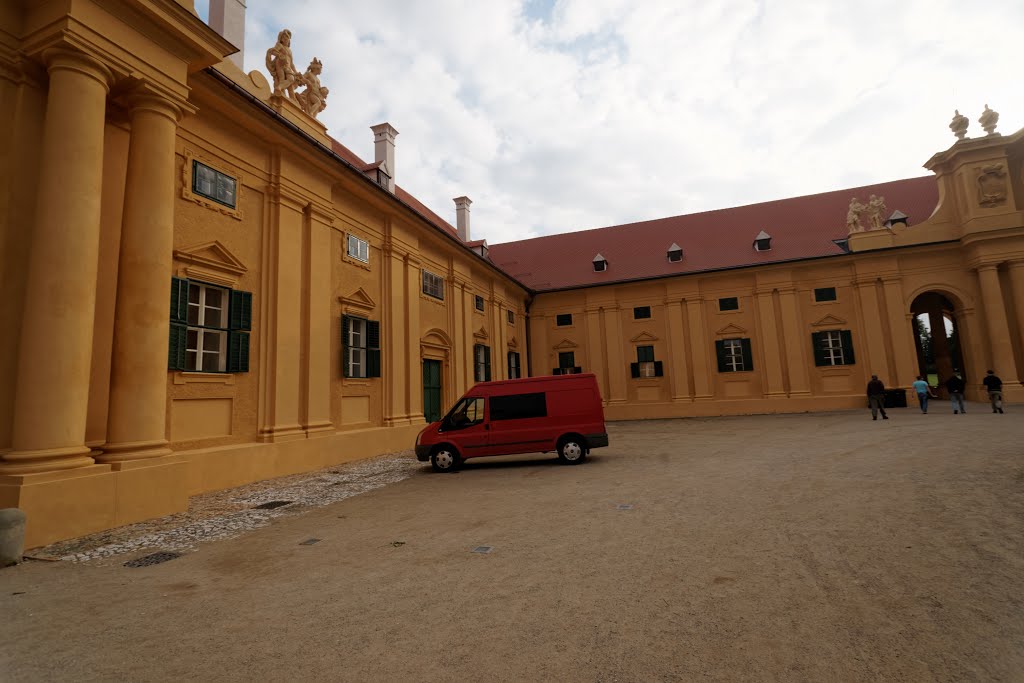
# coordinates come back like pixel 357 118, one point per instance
pixel 832 345
pixel 436 287
pixel 479 364
pixel 210 339
pixel 734 355
pixel 510 317
pixel 361 251
pixel 356 345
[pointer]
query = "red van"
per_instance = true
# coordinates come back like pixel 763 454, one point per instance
pixel 530 415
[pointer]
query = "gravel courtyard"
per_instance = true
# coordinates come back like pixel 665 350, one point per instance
pixel 797 547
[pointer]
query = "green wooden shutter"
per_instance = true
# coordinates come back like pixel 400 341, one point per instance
pixel 720 352
pixel 373 348
pixel 238 351
pixel 748 357
pixel 487 363
pixel 346 323
pixel 373 362
pixel 658 371
pixel 240 311
pixel 847 339
pixel 179 300
pixel 634 369
pixel 176 347
pixel 818 344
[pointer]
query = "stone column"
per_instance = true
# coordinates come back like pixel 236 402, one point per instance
pixel 1016 271
pixel 871 319
pixel 995 320
pixel 797 341
pixel 770 341
pixel 52 390
pixel 680 375
pixel 702 360
pixel 901 333
pixel 137 418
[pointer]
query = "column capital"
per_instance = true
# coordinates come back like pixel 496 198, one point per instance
pixel 69 59
pixel 145 98
pixel 1015 265
pixel 985 267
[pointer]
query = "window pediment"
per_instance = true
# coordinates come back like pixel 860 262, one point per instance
pixel 358 301
pixel 644 337
pixel 731 329
pixel 211 262
pixel 828 320
pixel 565 344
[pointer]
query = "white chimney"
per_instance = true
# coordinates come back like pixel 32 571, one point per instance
pixel 462 217
pixel 384 149
pixel 227 17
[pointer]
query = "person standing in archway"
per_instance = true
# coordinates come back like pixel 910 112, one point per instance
pixel 924 392
pixel 876 398
pixel 955 387
pixel 994 385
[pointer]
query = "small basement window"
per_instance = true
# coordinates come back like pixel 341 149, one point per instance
pixel 510 316
pixel 675 253
pixel 729 303
pixel 641 312
pixel 359 249
pixel 213 184
pixel 563 319
pixel 600 264
pixel 479 302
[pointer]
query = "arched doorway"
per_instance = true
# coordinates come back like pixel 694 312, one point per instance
pixel 937 338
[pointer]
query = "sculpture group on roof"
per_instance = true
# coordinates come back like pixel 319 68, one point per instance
pixel 286 77
pixel 873 211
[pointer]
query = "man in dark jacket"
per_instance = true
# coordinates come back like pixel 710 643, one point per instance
pixel 876 398
pixel 994 385
pixel 955 387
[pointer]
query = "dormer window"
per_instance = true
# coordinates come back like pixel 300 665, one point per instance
pixel 600 264
pixel 763 242
pixel 675 253
pixel 383 179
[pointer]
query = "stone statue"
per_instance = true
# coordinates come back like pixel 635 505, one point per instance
pixel 988 121
pixel 959 124
pixel 853 216
pixel 313 99
pixel 876 212
pixel 281 67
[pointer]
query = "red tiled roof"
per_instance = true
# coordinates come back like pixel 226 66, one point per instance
pixel 418 206
pixel 800 227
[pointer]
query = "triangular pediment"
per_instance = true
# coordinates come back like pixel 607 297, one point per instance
pixel 212 255
pixel 211 262
pixel 731 328
pixel 358 299
pixel 829 320
pixel 565 344
pixel 481 334
pixel 513 343
pixel 644 337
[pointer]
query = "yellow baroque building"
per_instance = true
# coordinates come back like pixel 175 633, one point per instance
pixel 204 289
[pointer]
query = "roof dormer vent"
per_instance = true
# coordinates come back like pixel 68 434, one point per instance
pixel 763 242
pixel 600 264
pixel 897 218
pixel 675 253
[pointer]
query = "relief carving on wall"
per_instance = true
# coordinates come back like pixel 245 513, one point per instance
pixel 286 77
pixel 992 185
pixel 873 212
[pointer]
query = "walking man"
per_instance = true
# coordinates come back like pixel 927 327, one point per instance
pixel 876 398
pixel 955 387
pixel 995 391
pixel 923 392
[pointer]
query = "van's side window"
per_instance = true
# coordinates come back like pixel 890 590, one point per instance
pixel 469 412
pixel 518 406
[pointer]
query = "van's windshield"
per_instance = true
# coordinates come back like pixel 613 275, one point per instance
pixel 467 412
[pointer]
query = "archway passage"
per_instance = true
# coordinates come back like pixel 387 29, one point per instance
pixel 936 335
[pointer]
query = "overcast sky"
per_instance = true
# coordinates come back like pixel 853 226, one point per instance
pixel 561 115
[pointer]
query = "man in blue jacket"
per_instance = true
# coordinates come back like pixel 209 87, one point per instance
pixel 994 385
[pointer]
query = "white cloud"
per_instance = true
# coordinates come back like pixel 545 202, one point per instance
pixel 588 113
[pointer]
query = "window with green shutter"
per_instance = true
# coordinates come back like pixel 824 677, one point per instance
pixel 360 347
pixel 833 347
pixel 513 365
pixel 734 355
pixel 481 363
pixel 645 366
pixel 209 328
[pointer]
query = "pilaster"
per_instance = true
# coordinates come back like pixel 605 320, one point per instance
pixel 770 342
pixel 793 331
pixel 701 360
pixel 618 366
pixel 996 322
pixel 412 283
pixel 900 333
pixel 320 329
pixel 871 320
pixel 679 366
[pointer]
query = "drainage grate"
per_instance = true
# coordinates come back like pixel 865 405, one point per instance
pixel 482 549
pixel 155 558
pixel 624 506
pixel 310 541
pixel 273 504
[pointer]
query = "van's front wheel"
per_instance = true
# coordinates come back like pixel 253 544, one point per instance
pixel 571 450
pixel 444 459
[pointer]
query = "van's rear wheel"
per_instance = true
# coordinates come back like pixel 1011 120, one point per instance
pixel 571 450
pixel 444 459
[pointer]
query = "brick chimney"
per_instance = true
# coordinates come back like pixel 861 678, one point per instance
pixel 462 217
pixel 227 17
pixel 384 149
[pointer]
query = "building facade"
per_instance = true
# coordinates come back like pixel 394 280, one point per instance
pixel 204 289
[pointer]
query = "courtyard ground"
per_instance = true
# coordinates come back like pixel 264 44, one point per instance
pixel 797 547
